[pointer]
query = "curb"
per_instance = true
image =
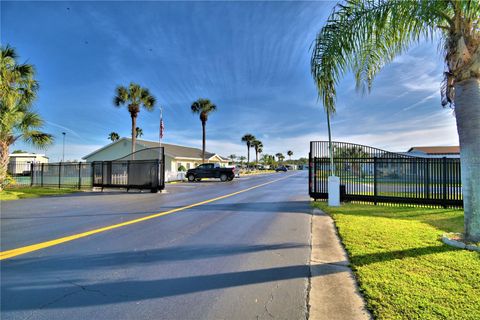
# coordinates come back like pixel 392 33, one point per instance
pixel 459 244
pixel 333 289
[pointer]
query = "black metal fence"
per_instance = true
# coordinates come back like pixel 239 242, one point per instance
pixel 62 175
pixel 373 175
pixel 21 172
pixel 129 174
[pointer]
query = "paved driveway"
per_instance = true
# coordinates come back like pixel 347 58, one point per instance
pixel 244 256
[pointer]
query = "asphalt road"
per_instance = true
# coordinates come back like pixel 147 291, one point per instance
pixel 240 257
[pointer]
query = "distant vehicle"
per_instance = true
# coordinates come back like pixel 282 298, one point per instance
pixel 210 170
pixel 281 168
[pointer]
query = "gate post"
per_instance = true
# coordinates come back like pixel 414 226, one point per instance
pixel 128 175
pixel 41 178
pixel 31 174
pixel 427 178
pixel 163 169
pixel 444 182
pixel 92 168
pixel 375 176
pixel 79 175
pixel 59 174
pixel 310 171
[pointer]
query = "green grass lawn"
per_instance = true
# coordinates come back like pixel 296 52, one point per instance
pixel 32 192
pixel 403 269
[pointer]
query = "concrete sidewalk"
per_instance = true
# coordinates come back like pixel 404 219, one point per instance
pixel 333 290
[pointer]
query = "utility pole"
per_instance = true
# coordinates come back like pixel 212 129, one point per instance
pixel 63 153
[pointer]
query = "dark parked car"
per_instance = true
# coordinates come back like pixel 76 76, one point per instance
pixel 210 170
pixel 281 168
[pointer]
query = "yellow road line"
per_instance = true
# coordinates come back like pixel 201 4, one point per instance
pixel 42 245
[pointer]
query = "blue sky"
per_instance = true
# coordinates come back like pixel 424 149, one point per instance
pixel 250 58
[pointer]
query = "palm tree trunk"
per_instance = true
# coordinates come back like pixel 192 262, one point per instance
pixel 134 135
pixel 330 146
pixel 467 113
pixel 204 138
pixel 248 154
pixel 3 163
pixel 256 157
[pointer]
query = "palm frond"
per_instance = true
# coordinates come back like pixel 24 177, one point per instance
pixel 204 106
pixel 363 35
pixel 29 121
pixel 121 96
pixel 38 138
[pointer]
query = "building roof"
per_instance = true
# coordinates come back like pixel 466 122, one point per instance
pixel 436 150
pixel 178 151
pixel 26 154
pixel 173 150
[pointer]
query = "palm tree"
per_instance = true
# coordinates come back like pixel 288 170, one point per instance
pixel 363 36
pixel 138 132
pixel 248 139
pixel 241 158
pixel 233 157
pixel 18 90
pixel 290 154
pixel 203 107
pixel 257 145
pixel 113 136
pixel 280 157
pixel 134 97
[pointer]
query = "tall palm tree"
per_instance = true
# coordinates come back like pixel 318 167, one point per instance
pixel 18 90
pixel 257 145
pixel 363 36
pixel 248 139
pixel 241 158
pixel 203 107
pixel 290 154
pixel 135 97
pixel 280 157
pixel 113 136
pixel 233 157
pixel 138 132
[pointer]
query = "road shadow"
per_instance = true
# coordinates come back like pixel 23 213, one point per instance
pixel 133 258
pixel 72 293
pixel 302 207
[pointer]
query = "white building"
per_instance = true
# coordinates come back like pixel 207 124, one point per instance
pixel 176 157
pixel 20 163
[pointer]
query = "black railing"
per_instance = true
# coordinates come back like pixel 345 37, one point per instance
pixel 62 175
pixel 129 174
pixel 373 175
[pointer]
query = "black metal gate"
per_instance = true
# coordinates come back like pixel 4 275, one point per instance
pixel 369 174
pixel 129 174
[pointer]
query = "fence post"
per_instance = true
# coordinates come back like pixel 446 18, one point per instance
pixel 375 176
pixel 310 172
pixel 163 169
pixel 79 175
pixel 41 177
pixel 427 178
pixel 92 168
pixel 103 181
pixel 60 174
pixel 128 175
pixel 444 182
pixel 31 174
